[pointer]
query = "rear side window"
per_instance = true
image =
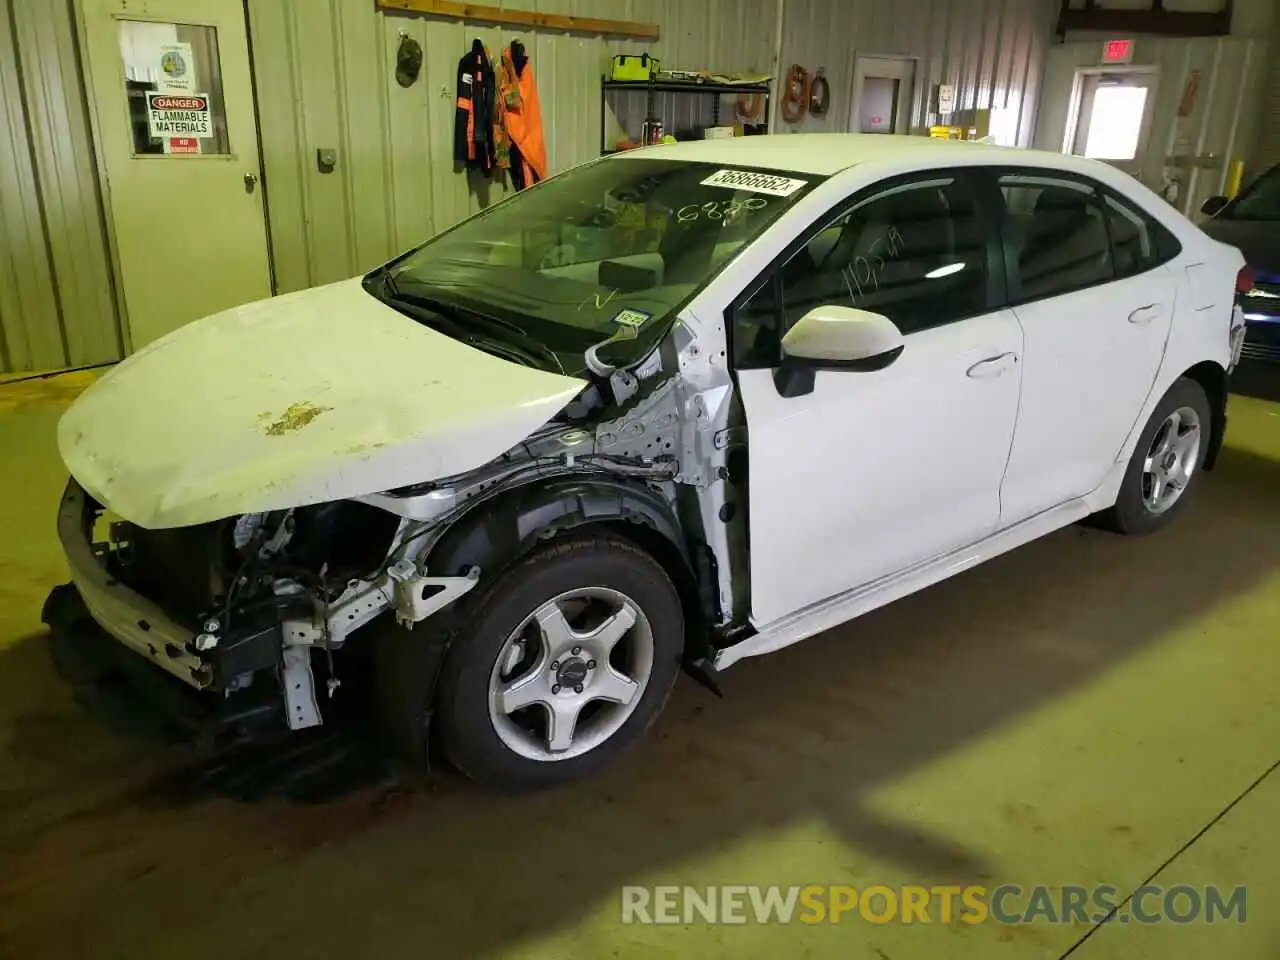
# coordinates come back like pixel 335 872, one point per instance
pixel 1138 243
pixel 1056 235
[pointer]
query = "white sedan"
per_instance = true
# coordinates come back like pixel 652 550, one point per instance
pixel 680 406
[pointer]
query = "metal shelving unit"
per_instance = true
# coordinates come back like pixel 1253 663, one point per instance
pixel 705 88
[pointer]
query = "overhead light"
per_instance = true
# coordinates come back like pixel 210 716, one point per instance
pixel 946 271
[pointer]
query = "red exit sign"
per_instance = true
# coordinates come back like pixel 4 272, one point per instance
pixel 1117 51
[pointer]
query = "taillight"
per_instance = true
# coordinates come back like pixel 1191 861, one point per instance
pixel 1244 279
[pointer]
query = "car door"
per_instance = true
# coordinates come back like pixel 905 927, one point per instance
pixel 1096 306
pixel 873 471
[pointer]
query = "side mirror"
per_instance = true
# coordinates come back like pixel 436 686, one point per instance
pixel 1213 206
pixel 835 338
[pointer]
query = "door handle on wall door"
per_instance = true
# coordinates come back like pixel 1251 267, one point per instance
pixel 250 181
pixel 993 366
pixel 1145 314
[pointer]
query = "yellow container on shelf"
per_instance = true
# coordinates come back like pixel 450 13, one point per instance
pixel 633 66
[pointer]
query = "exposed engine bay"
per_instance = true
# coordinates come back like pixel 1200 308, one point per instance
pixel 264 592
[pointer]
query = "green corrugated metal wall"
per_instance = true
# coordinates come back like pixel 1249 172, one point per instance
pixel 324 77
pixel 328 82
pixel 57 305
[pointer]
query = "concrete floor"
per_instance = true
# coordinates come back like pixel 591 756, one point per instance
pixel 1075 712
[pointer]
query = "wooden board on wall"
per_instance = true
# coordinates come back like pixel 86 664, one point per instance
pixel 524 18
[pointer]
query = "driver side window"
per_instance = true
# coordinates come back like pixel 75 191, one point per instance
pixel 915 252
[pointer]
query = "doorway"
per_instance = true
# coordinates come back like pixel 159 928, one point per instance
pixel 1111 117
pixel 883 89
pixel 177 142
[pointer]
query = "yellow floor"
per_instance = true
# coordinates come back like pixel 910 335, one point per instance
pixel 1070 714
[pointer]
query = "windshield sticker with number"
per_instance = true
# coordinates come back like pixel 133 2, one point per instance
pixel 632 318
pixel 752 181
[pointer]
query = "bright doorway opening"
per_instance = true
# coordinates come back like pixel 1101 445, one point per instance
pixel 1110 119
pixel 883 89
pixel 1114 125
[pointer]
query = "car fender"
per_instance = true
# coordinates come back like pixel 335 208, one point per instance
pixel 501 529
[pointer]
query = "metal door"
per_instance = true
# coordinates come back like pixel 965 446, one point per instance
pixel 883 89
pixel 170 84
pixel 1114 118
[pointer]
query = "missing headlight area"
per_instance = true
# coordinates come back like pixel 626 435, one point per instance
pixel 226 569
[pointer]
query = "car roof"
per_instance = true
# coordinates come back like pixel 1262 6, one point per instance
pixel 829 153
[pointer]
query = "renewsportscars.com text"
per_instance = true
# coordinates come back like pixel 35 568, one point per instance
pixel 881 904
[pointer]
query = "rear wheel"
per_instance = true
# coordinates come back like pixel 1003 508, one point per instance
pixel 573 653
pixel 1166 462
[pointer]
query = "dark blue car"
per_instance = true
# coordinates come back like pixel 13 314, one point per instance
pixel 1251 222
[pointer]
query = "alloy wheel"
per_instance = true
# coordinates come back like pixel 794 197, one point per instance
pixel 571 674
pixel 1172 460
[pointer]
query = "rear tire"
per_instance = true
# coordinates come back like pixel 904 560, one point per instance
pixel 570 655
pixel 1166 462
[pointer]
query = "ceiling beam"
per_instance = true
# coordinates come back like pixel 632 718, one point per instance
pixel 524 19
pixel 1156 20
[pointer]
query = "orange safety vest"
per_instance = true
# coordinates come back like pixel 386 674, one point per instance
pixel 522 114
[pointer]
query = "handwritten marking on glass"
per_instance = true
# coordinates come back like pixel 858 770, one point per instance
pixel 725 211
pixel 862 274
pixel 600 304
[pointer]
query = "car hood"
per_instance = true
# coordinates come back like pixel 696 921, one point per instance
pixel 305 398
pixel 1258 240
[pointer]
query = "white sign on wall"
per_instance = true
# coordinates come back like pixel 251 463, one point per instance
pixel 178 115
pixel 177 68
pixel 946 98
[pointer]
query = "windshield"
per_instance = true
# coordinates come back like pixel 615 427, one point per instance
pixel 1261 201
pixel 613 247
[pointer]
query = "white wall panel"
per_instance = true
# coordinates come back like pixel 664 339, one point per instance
pixel 1220 127
pixel 991 50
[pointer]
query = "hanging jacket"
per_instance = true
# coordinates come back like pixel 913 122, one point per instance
pixel 522 114
pixel 473 145
pixel 505 79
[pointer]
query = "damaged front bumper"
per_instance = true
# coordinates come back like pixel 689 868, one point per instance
pixel 123 613
pixel 106 641
pixel 101 626
pixel 113 682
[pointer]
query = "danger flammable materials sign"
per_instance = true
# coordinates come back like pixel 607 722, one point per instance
pixel 178 115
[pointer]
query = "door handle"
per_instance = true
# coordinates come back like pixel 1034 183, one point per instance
pixel 250 181
pixel 993 366
pixel 1146 314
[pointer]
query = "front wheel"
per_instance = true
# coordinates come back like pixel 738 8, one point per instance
pixel 1166 462
pixel 573 653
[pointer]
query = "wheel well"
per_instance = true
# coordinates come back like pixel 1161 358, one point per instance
pixel 1213 379
pixel 497 534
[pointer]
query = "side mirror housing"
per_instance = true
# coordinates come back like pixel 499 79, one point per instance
pixel 1213 206
pixel 835 338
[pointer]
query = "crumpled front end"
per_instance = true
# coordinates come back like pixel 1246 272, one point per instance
pixel 231 606
pixel 106 636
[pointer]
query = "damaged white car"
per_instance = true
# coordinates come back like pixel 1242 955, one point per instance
pixel 671 408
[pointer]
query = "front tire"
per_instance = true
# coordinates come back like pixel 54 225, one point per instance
pixel 573 653
pixel 1165 464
